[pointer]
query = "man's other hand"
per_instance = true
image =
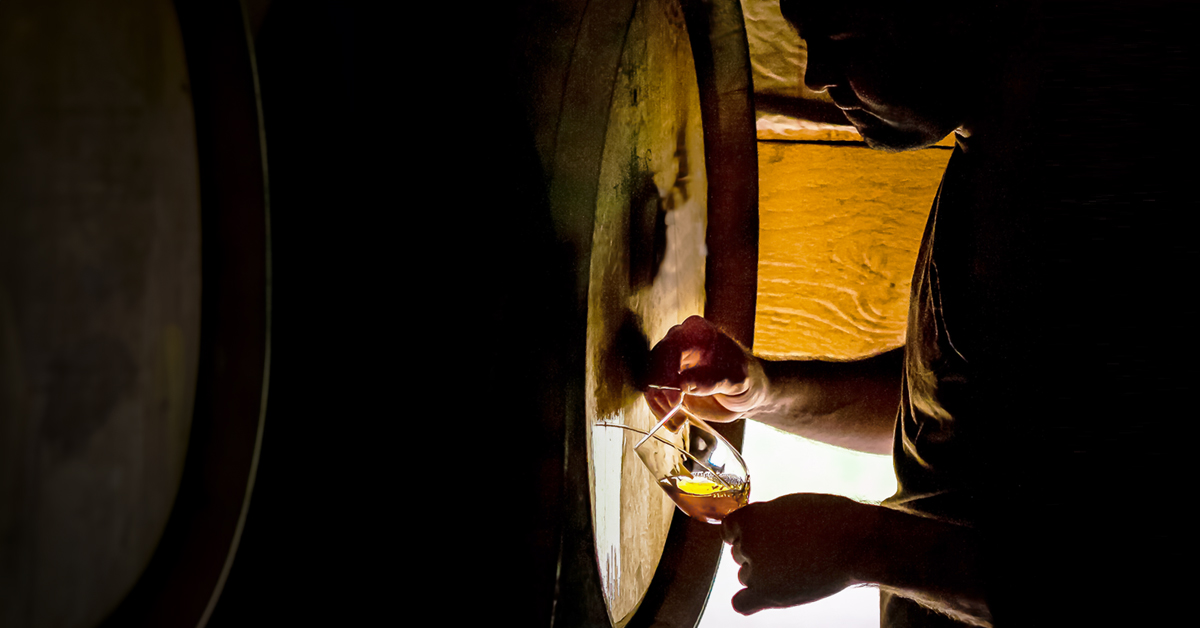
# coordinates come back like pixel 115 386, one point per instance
pixel 798 549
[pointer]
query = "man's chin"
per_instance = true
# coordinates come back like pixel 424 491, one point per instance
pixel 897 141
pixel 882 136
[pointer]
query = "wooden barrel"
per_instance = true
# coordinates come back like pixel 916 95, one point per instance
pixel 182 582
pixel 325 296
pixel 133 308
pixel 653 179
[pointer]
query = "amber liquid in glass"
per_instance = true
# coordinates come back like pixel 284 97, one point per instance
pixel 705 498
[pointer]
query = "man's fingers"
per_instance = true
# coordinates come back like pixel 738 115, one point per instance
pixel 695 327
pixel 687 345
pixel 738 556
pixel 711 379
pixel 661 401
pixel 709 409
pixel 701 362
pixel 730 530
pixel 749 601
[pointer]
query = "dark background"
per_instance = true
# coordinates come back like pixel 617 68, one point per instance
pixel 420 304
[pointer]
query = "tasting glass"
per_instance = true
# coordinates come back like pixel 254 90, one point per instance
pixel 701 471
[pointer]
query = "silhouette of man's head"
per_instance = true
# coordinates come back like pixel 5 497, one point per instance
pixel 906 74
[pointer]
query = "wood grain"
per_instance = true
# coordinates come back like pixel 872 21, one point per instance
pixel 840 227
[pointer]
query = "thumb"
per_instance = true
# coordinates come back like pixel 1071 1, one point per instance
pixel 749 601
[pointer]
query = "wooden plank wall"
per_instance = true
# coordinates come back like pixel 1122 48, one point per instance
pixel 840 225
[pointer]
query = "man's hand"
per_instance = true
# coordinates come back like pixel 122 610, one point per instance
pixel 722 380
pixel 798 549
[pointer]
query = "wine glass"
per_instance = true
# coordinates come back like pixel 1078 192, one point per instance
pixel 699 470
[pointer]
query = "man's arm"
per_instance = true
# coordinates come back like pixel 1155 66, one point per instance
pixel 847 404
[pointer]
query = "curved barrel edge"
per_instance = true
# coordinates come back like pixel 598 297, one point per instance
pixel 182 582
pixel 679 591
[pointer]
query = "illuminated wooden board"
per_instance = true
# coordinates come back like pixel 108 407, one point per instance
pixel 646 275
pixel 839 231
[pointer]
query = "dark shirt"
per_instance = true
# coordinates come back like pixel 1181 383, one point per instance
pixel 1049 363
pixel 937 469
pixel 936 384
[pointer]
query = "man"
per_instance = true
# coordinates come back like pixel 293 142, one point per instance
pixel 1041 354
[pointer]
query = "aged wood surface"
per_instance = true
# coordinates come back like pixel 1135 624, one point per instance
pixel 99 300
pixel 840 227
pixel 647 274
